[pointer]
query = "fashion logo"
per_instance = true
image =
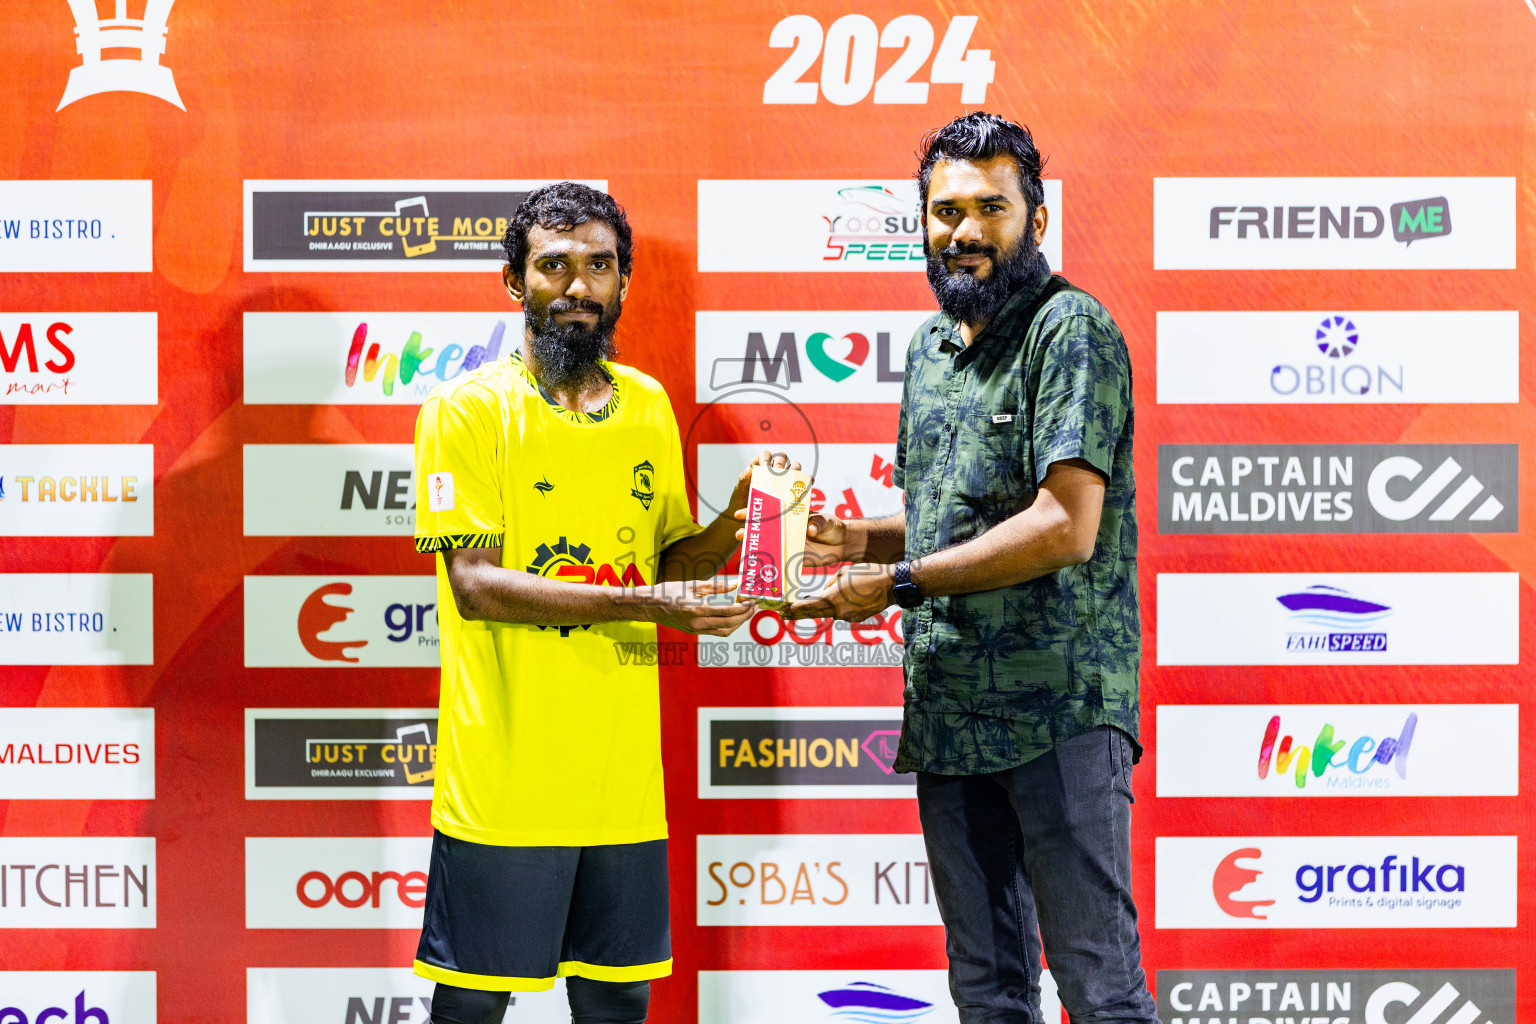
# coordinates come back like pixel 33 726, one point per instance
pixel 143 74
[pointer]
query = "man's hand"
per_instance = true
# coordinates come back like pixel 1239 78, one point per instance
pixel 826 539
pixel 777 460
pixel 683 605
pixel 856 592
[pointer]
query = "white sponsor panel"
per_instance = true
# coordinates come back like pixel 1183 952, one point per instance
pixel 79 359
pixel 766 640
pixel 329 490
pixel 340 753
pixel 1336 881
pixel 76 227
pixel 803 358
pixel 77 754
pixel 1333 223
pixel 805 753
pixel 1273 357
pixel 852 481
pixel 371 882
pixel 879 997
pixel 1381 618
pixel 77 490
pixel 794 226
pixel 78 618
pixel 340 621
pixel 370 995
pixel 1301 750
pixel 69 997
pixel 78 882
pixel 368 358
pixel 842 879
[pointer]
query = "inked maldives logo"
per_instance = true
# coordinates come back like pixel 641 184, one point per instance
pixel 1351 770
pixel 413 361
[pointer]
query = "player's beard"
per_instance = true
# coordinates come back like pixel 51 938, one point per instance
pixel 969 299
pixel 567 356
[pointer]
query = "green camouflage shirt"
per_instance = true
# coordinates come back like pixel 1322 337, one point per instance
pixel 999 677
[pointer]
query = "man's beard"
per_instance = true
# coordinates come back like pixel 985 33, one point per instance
pixel 969 299
pixel 567 356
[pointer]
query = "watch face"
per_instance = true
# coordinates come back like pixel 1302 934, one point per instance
pixel 907 595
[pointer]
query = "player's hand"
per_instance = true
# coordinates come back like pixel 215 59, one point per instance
pixel 696 606
pixel 738 506
pixel 826 539
pixel 854 593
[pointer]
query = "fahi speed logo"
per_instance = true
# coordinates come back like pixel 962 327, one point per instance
pixel 352 621
pixel 1336 882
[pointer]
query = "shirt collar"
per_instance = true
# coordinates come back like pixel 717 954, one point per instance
pixel 1007 323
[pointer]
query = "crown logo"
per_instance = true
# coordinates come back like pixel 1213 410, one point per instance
pixel 146 35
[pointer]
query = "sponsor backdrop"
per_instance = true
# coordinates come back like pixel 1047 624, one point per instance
pixel 242 243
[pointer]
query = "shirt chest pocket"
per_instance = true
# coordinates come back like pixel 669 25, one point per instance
pixel 991 467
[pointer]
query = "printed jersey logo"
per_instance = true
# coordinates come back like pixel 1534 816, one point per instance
pixel 573 563
pixel 543 486
pixel 868 1003
pixel 316 616
pixel 440 492
pixel 645 482
pixel 143 74
pixel 1230 877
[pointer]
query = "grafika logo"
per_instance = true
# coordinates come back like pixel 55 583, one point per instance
pixel 873 224
pixel 413 361
pixel 1356 769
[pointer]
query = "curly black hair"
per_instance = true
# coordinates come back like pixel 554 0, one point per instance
pixel 563 205
pixel 982 136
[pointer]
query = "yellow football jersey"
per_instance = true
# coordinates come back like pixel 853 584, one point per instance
pixel 549 736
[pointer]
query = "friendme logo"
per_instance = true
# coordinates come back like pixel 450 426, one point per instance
pixel 1333 223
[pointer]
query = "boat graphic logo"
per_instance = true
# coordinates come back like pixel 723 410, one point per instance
pixel 868 1003
pixel 1339 620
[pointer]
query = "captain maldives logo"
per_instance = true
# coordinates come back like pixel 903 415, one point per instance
pixel 1344 621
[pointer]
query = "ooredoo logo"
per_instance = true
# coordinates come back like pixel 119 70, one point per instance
pixel 1230 877
pixel 366 882
pixel 317 615
pixel 317 889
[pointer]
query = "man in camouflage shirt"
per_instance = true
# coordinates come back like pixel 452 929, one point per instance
pixel 1023 635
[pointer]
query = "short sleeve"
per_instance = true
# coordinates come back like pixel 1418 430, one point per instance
pixel 1084 395
pixel 676 519
pixel 458 473
pixel 899 473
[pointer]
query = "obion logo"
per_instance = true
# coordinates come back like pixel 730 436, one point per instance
pixel 353 621
pixel 1332 223
pixel 368 358
pixel 1337 357
pixel 1336 882
pixel 335 883
pixel 1321 750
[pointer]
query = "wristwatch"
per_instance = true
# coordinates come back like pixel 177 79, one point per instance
pixel 905 591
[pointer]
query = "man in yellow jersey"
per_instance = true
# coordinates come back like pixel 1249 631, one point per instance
pixel 551 484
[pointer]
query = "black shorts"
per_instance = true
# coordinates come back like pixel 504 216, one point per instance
pixel 515 918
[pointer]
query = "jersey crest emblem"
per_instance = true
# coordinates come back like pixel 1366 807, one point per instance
pixel 645 484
